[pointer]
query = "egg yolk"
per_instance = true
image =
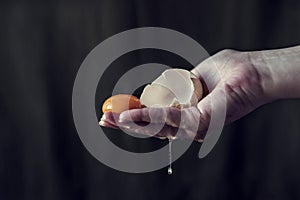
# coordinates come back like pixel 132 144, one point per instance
pixel 120 103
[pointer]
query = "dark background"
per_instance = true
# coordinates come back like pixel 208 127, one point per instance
pixel 42 45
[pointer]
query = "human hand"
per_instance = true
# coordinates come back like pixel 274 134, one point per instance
pixel 229 77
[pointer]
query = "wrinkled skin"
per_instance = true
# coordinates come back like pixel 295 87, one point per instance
pixel 228 74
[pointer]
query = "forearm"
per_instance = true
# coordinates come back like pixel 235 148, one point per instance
pixel 279 71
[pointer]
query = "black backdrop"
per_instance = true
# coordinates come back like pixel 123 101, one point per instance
pixel 42 47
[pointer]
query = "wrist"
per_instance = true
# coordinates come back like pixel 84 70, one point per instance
pixel 279 71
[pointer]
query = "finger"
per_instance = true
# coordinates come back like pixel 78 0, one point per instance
pixel 155 129
pixel 163 131
pixel 109 120
pixel 107 124
pixel 159 130
pixel 187 118
pixel 169 115
pixel 215 104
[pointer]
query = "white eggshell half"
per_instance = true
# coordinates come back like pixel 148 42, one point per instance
pixel 173 88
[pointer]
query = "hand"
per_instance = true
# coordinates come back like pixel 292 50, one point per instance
pixel 228 76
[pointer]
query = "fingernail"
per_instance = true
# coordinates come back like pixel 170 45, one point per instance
pixel 101 123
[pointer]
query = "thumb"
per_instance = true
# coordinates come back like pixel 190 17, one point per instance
pixel 213 110
pixel 212 117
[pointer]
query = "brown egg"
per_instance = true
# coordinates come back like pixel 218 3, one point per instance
pixel 120 103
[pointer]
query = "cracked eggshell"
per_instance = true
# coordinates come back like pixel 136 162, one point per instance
pixel 174 88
